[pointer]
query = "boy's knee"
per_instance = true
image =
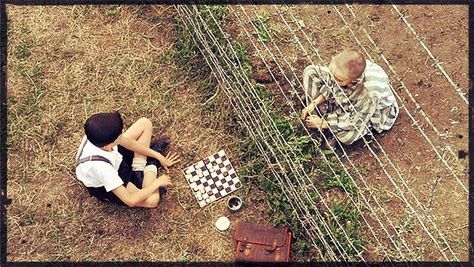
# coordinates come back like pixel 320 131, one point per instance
pixel 145 122
pixel 311 69
pixel 348 138
pixel 153 201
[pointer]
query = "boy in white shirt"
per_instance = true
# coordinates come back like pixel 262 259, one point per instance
pixel 113 164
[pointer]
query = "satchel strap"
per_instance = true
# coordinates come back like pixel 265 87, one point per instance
pixel 273 247
pixel 93 158
pixel 90 158
pixel 243 245
pixel 261 234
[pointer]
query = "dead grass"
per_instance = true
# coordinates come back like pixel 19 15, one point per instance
pixel 66 63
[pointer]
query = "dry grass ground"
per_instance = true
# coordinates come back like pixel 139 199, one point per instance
pixel 66 63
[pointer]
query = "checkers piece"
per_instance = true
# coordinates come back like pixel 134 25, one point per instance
pixel 212 178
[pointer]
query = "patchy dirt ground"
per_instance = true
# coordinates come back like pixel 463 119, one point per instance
pixel 417 192
pixel 63 68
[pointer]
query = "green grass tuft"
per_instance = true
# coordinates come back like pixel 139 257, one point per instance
pixel 264 32
pixel 22 51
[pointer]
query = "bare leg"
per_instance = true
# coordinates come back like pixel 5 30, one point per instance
pixel 141 131
pixel 153 200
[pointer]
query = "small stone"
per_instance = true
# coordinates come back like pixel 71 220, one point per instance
pixel 418 239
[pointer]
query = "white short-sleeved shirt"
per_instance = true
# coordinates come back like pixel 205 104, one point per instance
pixel 99 173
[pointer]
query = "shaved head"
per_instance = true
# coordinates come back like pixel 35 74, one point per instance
pixel 350 63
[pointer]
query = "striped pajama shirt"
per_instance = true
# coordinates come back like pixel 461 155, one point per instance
pixel 368 103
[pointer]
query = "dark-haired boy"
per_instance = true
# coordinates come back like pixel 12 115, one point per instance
pixel 113 164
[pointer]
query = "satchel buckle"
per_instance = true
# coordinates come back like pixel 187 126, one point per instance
pixel 243 245
pixel 274 246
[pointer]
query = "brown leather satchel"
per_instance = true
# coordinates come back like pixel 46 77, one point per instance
pixel 261 243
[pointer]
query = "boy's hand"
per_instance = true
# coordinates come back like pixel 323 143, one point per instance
pixel 169 160
pixel 310 108
pixel 164 180
pixel 314 121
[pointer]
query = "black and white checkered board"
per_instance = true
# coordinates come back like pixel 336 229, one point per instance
pixel 212 178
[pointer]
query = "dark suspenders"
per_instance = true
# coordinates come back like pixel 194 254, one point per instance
pixel 90 158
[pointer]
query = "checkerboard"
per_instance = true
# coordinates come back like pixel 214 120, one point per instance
pixel 212 178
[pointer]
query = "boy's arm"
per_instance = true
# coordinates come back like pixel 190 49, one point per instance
pixel 320 99
pixel 312 106
pixel 315 121
pixel 132 199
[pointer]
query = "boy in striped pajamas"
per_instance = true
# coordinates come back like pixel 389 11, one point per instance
pixel 351 97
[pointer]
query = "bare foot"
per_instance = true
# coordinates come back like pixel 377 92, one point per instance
pixel 330 144
pixel 165 181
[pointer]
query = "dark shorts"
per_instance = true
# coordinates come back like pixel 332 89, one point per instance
pixel 125 173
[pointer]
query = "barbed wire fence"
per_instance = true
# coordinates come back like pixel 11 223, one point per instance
pixel 252 118
pixel 282 158
pixel 407 203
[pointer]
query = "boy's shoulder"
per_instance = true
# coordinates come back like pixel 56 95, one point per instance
pixel 323 69
pixel 108 158
pixel 317 68
pixel 318 71
pixel 372 69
